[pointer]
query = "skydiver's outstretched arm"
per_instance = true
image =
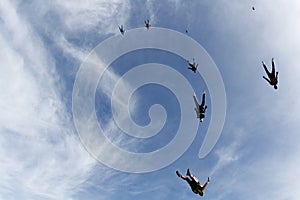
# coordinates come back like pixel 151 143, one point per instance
pixel 267 79
pixel 276 75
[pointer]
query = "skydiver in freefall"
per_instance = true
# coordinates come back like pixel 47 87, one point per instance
pixel 194 183
pixel 147 24
pixel 193 66
pixel 202 107
pixel 122 30
pixel 273 77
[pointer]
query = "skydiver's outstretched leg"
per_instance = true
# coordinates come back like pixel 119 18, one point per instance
pixel 183 177
pixel 273 68
pixel 179 175
pixel 190 64
pixel 267 71
pixel 203 99
pixel 188 173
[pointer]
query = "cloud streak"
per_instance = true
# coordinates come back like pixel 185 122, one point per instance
pixel 41 157
pixel 34 113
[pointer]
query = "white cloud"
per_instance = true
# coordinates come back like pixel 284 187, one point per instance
pixel 82 15
pixel 41 156
pixel 72 50
pixel 150 5
pixel 69 17
pixel 226 156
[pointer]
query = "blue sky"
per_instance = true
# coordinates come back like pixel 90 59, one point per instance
pixel 42 47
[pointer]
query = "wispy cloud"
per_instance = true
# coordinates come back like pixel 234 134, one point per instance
pixel 41 156
pixel 103 15
pixel 227 155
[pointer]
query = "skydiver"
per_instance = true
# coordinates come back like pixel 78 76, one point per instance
pixel 193 66
pixel 273 77
pixel 147 24
pixel 194 183
pixel 122 30
pixel 253 8
pixel 202 107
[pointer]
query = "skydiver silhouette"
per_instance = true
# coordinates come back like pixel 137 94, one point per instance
pixel 193 66
pixel 121 29
pixel 147 24
pixel 273 77
pixel 202 107
pixel 194 183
